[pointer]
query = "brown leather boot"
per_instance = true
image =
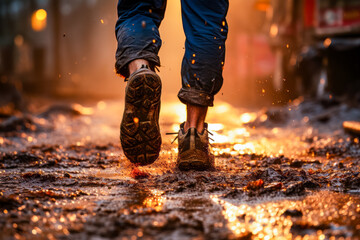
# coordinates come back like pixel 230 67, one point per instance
pixel 194 152
pixel 139 130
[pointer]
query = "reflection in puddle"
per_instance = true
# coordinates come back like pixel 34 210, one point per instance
pixel 263 221
pixel 155 200
pixel 335 215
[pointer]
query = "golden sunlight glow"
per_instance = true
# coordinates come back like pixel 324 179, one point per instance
pixel 215 126
pixel 38 20
pixel 263 221
pixel 230 136
pixel 222 108
pixel 175 127
pixel 274 30
pixel 101 105
pixel 245 148
pixel 263 118
pixel 275 130
pixel 177 109
pixel 176 113
pixel 155 201
pixel 247 117
pixel 83 110
pixel 219 138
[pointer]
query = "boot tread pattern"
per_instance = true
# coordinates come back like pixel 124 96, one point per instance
pixel 139 131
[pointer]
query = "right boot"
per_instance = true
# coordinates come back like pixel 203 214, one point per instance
pixel 139 130
pixel 194 151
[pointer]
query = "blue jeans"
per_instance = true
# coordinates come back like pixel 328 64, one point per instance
pixel 204 23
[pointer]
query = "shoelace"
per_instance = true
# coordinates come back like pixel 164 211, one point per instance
pixel 175 137
pixel 210 137
pixel 172 133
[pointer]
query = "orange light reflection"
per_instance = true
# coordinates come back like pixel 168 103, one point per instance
pixel 155 201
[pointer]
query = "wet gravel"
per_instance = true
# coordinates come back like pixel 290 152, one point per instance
pixel 67 178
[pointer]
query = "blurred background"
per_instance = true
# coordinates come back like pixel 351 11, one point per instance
pixel 277 50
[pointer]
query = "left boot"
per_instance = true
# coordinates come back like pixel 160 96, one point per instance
pixel 140 131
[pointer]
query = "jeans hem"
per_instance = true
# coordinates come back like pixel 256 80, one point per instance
pixel 122 62
pixel 196 97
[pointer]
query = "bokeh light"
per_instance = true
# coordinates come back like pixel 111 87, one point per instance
pixel 38 20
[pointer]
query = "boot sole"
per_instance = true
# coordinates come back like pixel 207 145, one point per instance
pixel 139 130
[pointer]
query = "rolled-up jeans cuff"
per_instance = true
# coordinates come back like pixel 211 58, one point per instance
pixel 196 97
pixel 122 62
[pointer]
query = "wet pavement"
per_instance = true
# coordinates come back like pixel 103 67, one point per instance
pixel 282 173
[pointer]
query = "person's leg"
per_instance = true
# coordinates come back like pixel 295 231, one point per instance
pixel 137 33
pixel 205 27
pixel 195 117
pixel 136 58
pixel 206 31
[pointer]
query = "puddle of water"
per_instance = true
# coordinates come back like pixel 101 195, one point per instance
pixel 323 215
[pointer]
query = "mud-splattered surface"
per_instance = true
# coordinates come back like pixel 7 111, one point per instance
pixel 282 173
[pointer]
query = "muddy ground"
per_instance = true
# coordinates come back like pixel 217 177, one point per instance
pixel 281 173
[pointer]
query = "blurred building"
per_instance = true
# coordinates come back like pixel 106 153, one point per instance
pixel 316 45
pixel 59 46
